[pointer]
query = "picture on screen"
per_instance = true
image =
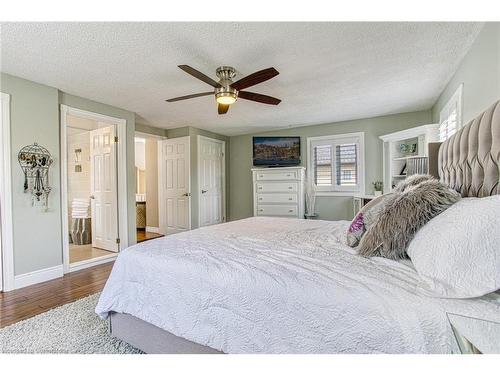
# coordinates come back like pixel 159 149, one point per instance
pixel 276 151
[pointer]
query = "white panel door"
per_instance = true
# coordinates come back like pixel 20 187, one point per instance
pixel 175 204
pixel 103 189
pixel 211 181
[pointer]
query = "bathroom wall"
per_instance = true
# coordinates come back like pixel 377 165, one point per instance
pixel 78 182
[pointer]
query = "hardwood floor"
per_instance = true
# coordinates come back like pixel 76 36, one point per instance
pixel 27 302
pixel 145 236
pixel 24 303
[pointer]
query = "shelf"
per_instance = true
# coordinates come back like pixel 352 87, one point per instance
pixel 409 157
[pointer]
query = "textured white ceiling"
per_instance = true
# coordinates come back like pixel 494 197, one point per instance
pixel 328 71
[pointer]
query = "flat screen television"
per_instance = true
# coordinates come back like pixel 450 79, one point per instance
pixel 276 151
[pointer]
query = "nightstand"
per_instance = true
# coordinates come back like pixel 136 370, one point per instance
pixel 475 335
pixel 358 201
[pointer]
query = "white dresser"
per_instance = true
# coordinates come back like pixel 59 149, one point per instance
pixel 278 191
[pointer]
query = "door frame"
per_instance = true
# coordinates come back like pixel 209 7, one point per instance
pixel 121 150
pixel 158 139
pixel 223 143
pixel 162 208
pixel 6 236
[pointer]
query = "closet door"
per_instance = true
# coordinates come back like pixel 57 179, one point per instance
pixel 175 189
pixel 211 181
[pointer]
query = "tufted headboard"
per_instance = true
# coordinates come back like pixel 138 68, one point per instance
pixel 469 161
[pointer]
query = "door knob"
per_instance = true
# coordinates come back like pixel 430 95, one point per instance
pixel 186 194
pixel 203 191
pixel 92 197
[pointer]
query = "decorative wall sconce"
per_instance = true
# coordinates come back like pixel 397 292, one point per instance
pixel 78 160
pixel 35 162
pixel 78 155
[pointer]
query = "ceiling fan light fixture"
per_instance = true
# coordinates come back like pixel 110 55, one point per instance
pixel 225 97
pixel 226 91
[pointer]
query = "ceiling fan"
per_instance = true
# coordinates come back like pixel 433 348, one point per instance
pixel 226 91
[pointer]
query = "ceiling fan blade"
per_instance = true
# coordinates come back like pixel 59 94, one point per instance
pixel 255 78
pixel 199 75
pixel 258 97
pixel 189 96
pixel 222 108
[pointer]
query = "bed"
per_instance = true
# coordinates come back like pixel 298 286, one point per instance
pixel 278 285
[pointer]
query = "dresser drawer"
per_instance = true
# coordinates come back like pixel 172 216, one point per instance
pixel 277 187
pixel 281 210
pixel 277 175
pixel 277 198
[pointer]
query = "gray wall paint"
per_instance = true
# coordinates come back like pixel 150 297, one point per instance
pixel 89 105
pixel 178 132
pixel 328 208
pixel 34 118
pixel 479 71
pixel 150 130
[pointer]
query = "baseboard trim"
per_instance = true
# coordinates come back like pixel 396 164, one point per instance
pixel 153 230
pixel 92 262
pixel 35 277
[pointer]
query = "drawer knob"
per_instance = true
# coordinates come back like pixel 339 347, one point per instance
pixel 261 210
pixel 290 198
pixel 290 187
pixel 260 199
pixel 290 210
pixel 261 175
pixel 260 187
pixel 288 175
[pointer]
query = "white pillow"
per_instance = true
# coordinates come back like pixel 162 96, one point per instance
pixel 457 253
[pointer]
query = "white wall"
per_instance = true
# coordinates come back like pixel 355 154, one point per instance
pixel 140 153
pixel 152 219
pixel 78 182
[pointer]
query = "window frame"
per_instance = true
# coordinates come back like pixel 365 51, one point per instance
pixel 455 100
pixel 334 140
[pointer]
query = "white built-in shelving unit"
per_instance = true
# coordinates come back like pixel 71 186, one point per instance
pixel 395 158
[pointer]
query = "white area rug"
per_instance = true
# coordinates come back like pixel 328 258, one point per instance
pixel 71 328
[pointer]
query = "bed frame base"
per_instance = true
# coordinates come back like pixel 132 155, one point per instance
pixel 152 339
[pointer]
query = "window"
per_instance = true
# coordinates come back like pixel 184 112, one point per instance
pixel 450 117
pixel 323 162
pixel 336 162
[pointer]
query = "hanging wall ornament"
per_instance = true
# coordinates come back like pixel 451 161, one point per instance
pixel 35 162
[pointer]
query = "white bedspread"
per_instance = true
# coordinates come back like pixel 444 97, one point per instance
pixel 271 285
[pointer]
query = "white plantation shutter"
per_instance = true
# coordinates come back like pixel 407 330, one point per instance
pixel 450 116
pixel 347 164
pixel 323 175
pixel 335 162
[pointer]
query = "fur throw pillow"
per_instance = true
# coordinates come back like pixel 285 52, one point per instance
pixel 411 181
pixel 403 215
pixel 365 218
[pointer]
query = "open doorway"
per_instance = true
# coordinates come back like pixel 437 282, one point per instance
pixel 92 196
pixel 92 215
pixel 146 173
